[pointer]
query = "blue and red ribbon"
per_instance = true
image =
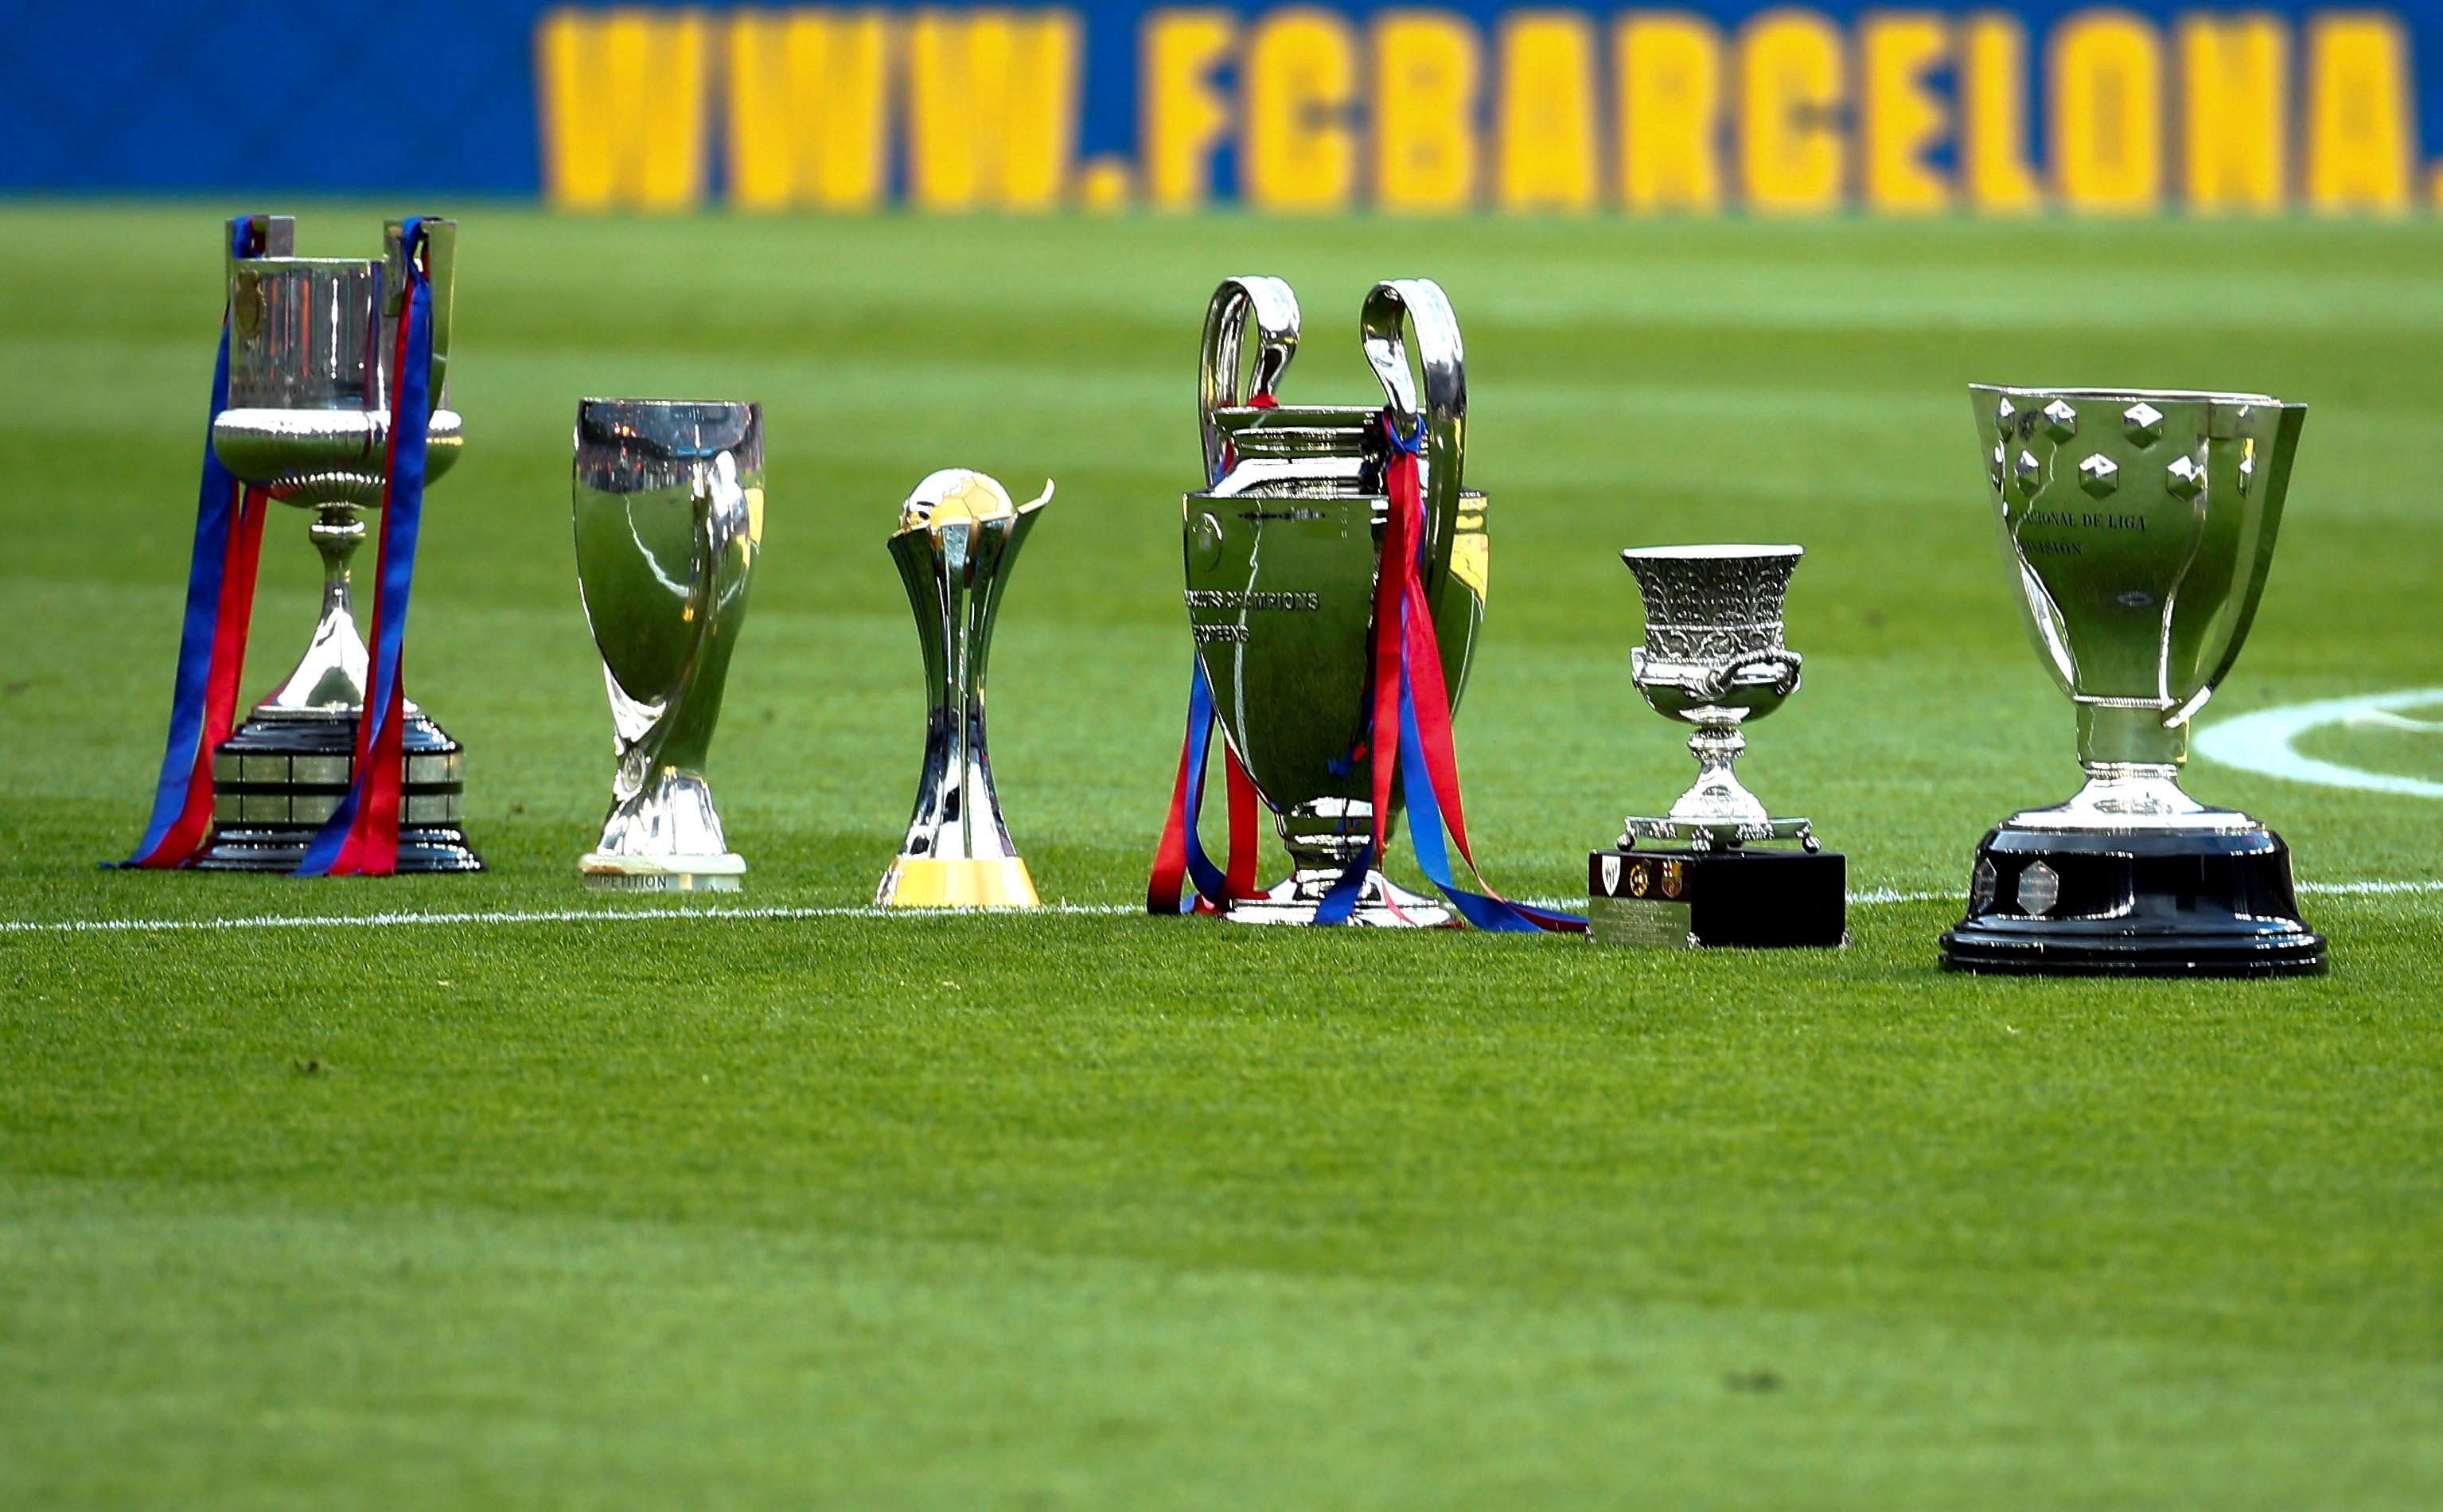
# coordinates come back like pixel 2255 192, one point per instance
pixel 361 839
pixel 1180 860
pixel 1410 694
pixel 211 641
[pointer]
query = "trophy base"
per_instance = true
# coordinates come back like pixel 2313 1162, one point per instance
pixel 663 874
pixel 277 780
pixel 2046 903
pixel 1380 904
pixel 1703 899
pixel 922 882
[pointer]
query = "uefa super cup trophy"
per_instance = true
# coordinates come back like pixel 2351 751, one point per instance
pixel 1714 657
pixel 312 344
pixel 958 538
pixel 1281 553
pixel 668 498
pixel 2138 527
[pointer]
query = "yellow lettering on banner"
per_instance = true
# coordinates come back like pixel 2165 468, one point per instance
pixel 2107 113
pixel 808 109
pixel 992 108
pixel 1902 117
pixel 1791 150
pixel 1182 117
pixel 1670 111
pixel 1425 74
pixel 1547 122
pixel 622 108
pixel 1994 111
pixel 1300 88
pixel 2359 124
pixel 2234 90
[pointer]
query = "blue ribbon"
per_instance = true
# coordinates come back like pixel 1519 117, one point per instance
pixel 216 511
pixel 402 514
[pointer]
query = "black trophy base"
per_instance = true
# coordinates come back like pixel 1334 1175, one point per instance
pixel 1698 900
pixel 2043 903
pixel 276 781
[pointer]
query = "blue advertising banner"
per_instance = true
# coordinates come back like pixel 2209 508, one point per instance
pixel 1692 109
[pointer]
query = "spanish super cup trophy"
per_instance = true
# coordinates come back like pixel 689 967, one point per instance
pixel 668 498
pixel 2138 527
pixel 1714 657
pixel 312 346
pixel 958 538
pixel 1281 553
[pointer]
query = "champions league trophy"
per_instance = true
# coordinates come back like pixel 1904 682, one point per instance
pixel 312 346
pixel 668 498
pixel 958 537
pixel 1714 659
pixel 1281 556
pixel 2138 527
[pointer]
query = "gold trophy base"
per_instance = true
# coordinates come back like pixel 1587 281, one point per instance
pixel 921 882
pixel 663 874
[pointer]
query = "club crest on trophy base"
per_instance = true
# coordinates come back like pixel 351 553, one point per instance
pixel 2138 527
pixel 668 499
pixel 1714 657
pixel 958 538
pixel 313 345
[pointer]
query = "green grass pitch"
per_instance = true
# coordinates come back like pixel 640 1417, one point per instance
pixel 1093 1209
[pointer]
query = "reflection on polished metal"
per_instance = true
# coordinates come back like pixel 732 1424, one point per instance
pixel 667 499
pixel 1714 659
pixel 312 344
pixel 1281 551
pixel 2138 527
pixel 958 537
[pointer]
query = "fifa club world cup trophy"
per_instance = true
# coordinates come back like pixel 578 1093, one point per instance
pixel 667 499
pixel 332 398
pixel 957 540
pixel 2138 528
pixel 1714 659
pixel 1336 567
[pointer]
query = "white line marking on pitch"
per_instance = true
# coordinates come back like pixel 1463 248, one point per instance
pixel 280 921
pixel 2263 742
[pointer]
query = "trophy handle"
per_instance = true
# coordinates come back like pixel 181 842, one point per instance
pixel 1273 307
pixel 1420 303
pixel 1784 666
pixel 441 271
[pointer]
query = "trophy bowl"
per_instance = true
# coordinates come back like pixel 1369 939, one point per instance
pixel 1714 659
pixel 2138 527
pixel 667 497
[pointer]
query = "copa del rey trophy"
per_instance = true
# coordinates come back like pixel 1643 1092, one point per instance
pixel 668 501
pixel 958 538
pixel 330 397
pixel 2138 527
pixel 1714 657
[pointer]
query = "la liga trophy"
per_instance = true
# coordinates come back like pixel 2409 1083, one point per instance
pixel 1715 657
pixel 2138 527
pixel 312 348
pixel 667 499
pixel 1283 549
pixel 958 535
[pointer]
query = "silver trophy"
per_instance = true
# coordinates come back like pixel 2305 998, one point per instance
pixel 958 537
pixel 312 342
pixel 2138 527
pixel 1281 552
pixel 668 499
pixel 1714 659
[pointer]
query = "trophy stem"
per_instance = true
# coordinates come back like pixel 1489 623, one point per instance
pixel 2127 735
pixel 1717 795
pixel 330 678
